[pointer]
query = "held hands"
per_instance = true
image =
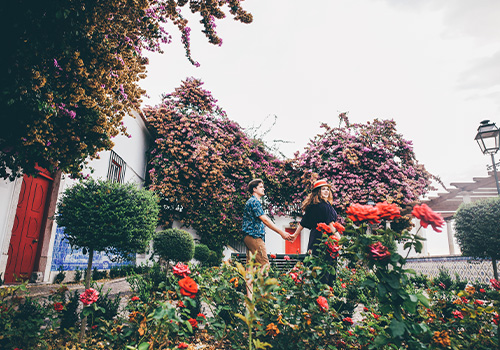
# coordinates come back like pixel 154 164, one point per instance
pixel 288 237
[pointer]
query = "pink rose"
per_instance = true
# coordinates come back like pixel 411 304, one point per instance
pixel 181 270
pixel 379 251
pixel 89 297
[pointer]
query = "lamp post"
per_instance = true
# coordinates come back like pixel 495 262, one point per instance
pixel 488 139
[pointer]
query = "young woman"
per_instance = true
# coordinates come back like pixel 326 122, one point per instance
pixel 317 209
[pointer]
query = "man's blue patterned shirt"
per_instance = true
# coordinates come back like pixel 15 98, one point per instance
pixel 252 225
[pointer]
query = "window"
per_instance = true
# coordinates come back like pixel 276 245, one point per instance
pixel 116 170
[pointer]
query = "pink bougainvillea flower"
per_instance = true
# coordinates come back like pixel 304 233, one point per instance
pixel 348 320
pixel 378 251
pixel 495 284
pixel 188 286
pixel 359 212
pixel 89 297
pixel 428 217
pixel 181 270
pixel 58 307
pixel 322 303
pixel 338 226
pixel 388 211
pixel 457 314
pixel 135 298
pixel 324 227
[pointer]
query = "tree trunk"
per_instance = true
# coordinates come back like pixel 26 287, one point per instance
pixel 495 270
pixel 83 325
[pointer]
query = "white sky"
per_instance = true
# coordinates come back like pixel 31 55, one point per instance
pixel 431 65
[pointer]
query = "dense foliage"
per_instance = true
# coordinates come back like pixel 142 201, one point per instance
pixel 103 216
pixel 174 244
pixel 364 162
pixel 477 229
pixel 201 163
pixel 70 73
pixel 373 303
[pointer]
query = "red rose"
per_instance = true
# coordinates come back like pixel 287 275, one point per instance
pixel 89 297
pixel 340 229
pixel 324 228
pixel 188 286
pixel 358 212
pixel 135 298
pixel 323 303
pixel 181 270
pixel 58 307
pixel 348 320
pixel 193 322
pixel 428 217
pixel 495 284
pixel 388 211
pixel 379 251
pixel 182 345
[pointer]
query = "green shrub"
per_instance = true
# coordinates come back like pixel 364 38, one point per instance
pixel 174 244
pixel 201 253
pixel 78 275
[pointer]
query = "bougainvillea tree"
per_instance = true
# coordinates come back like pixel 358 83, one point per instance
pixel 364 162
pixel 201 163
pixel 70 73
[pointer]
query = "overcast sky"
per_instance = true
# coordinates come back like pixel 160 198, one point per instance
pixel 432 66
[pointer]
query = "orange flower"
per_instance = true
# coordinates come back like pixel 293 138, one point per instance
pixel 234 280
pixel 442 338
pixel 272 330
pixel 428 217
pixel 338 226
pixel 324 227
pixel 388 211
pixel 188 286
pixel 359 212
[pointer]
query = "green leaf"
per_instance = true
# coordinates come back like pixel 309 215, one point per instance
pixel 423 300
pixel 260 345
pixel 241 317
pixel 159 313
pixel 144 346
pixel 397 328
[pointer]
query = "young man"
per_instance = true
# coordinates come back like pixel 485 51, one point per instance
pixel 254 220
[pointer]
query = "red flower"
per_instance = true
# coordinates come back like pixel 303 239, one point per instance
pixel 193 322
pixel 58 307
pixel 442 285
pixel 365 309
pixel 182 345
pixel 272 256
pixel 495 284
pixel 350 333
pixel 338 226
pixel 457 314
pixel 324 227
pixel 188 286
pixel 181 270
pixel 358 212
pixel 201 315
pixel 482 290
pixel 496 319
pixel 375 316
pixel 135 298
pixel 428 217
pixel 379 251
pixel 323 303
pixel 343 285
pixel 181 304
pixel 348 320
pixel 286 257
pixel 478 302
pixel 388 211
pixel 89 297
pixel 294 275
pixel 333 248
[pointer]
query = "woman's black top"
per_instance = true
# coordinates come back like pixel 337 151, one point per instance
pixel 322 212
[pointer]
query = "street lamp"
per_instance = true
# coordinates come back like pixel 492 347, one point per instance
pixel 488 139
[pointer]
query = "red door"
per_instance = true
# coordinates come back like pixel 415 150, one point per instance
pixel 30 215
pixel 292 248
